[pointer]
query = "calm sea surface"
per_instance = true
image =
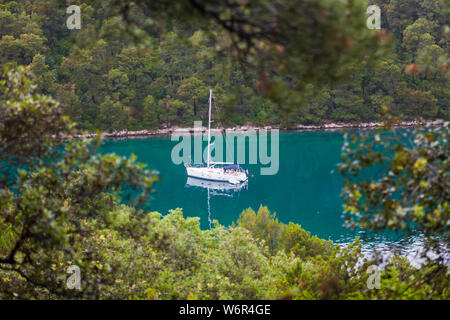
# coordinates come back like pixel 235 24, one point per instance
pixel 305 190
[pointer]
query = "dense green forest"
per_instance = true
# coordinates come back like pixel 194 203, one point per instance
pixel 112 82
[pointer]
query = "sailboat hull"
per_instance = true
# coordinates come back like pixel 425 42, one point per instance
pixel 223 186
pixel 216 174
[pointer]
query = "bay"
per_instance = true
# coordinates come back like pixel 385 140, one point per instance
pixel 306 189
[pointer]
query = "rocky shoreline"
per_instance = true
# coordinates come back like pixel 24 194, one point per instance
pixel 245 128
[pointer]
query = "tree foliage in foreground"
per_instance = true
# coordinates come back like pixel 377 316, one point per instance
pixel 53 189
pixel 399 181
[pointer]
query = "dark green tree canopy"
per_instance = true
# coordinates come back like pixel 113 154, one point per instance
pixel 279 63
pixel 288 43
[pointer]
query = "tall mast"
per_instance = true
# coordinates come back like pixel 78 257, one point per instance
pixel 209 126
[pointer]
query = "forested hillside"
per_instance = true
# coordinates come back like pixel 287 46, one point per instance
pixel 110 83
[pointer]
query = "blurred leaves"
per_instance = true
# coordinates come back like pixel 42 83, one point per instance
pixel 407 187
pixel 61 189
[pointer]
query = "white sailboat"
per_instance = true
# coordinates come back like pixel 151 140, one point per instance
pixel 216 171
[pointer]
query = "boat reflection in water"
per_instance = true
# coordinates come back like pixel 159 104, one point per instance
pixel 216 188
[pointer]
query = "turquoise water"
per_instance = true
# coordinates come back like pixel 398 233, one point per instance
pixel 305 190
